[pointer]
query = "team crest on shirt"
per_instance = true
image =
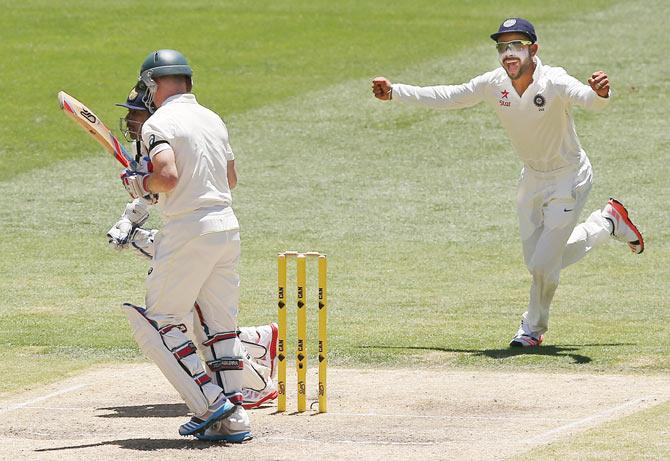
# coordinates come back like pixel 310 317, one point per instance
pixel 539 101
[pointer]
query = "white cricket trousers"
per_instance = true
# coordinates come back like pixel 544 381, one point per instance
pixel 203 269
pixel 549 205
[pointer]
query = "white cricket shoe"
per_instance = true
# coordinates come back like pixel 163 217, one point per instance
pixel 526 341
pixel 622 227
pixel 526 338
pixel 221 408
pixel 254 399
pixel 235 428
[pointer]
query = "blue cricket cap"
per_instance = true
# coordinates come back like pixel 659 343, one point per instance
pixel 516 25
pixel 134 100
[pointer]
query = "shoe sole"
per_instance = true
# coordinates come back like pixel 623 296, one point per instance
pixel 618 206
pixel 258 403
pixel 232 438
pixel 224 411
pixel 514 343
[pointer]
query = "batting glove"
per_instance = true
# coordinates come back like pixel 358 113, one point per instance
pixel 145 165
pixel 119 234
pixel 135 183
pixel 137 212
pixel 142 241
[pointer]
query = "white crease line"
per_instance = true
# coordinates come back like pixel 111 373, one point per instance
pixel 443 417
pixel 603 415
pixel 39 407
pixel 18 406
pixel 353 442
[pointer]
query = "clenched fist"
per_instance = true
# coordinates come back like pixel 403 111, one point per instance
pixel 600 83
pixel 381 88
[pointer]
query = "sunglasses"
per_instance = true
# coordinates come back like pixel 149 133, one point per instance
pixel 514 45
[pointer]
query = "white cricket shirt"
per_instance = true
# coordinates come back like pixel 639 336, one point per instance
pixel 539 123
pixel 199 140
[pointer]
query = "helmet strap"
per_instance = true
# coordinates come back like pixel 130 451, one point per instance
pixel 137 145
pixel 152 86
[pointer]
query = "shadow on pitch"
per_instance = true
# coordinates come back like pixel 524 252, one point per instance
pixel 160 410
pixel 144 445
pixel 567 350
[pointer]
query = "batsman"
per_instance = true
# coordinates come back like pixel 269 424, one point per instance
pixel 260 342
pixel 195 253
pixel 533 102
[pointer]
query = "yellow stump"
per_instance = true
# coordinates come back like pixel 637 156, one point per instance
pixel 281 339
pixel 323 332
pixel 301 349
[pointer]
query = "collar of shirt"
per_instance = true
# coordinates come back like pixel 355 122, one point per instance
pixel 181 98
pixel 537 71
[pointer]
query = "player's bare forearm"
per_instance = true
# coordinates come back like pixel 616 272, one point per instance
pixel 162 182
pixel 164 176
pixel 231 172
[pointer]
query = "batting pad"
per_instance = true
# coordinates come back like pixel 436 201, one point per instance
pixel 174 355
pixel 226 360
pixel 254 374
pixel 249 337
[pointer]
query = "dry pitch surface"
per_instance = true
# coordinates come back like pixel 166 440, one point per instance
pixel 130 412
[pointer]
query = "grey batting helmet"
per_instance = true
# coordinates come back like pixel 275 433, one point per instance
pixel 159 64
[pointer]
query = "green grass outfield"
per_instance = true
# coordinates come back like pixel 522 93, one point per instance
pixel 415 208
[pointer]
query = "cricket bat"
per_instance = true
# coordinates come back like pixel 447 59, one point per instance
pixel 90 122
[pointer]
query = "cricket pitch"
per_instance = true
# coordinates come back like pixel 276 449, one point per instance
pixel 131 412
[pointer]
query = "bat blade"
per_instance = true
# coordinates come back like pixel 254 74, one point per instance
pixel 90 122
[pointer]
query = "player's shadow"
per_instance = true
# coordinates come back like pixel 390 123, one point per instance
pixel 555 351
pixel 567 350
pixel 159 410
pixel 142 444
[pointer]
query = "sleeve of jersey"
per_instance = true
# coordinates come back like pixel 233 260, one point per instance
pixel 442 96
pixel 155 139
pixel 579 94
pixel 225 142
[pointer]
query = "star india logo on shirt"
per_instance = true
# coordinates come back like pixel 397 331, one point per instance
pixel 504 94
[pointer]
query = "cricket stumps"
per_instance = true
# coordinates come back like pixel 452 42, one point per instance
pixel 301 327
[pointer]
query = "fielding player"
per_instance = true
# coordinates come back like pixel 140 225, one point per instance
pixel 259 342
pixel 196 251
pixel 533 103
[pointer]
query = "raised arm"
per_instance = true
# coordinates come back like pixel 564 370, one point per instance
pixel 594 96
pixel 440 96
